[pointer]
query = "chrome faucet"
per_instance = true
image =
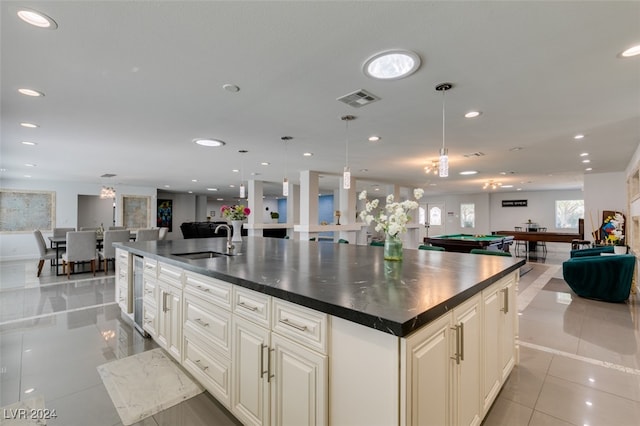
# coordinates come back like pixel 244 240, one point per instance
pixel 230 246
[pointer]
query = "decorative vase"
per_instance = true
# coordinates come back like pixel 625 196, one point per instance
pixel 237 230
pixel 620 249
pixel 392 248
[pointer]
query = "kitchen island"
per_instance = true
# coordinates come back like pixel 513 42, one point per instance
pixel 299 332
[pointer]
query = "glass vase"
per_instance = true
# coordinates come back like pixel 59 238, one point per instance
pixel 392 248
pixel 237 230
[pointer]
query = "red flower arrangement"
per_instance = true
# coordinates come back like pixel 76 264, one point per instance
pixel 237 212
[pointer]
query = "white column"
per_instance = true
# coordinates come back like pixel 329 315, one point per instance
pixel 255 205
pixel 201 208
pixel 293 208
pixel 347 206
pixel 308 202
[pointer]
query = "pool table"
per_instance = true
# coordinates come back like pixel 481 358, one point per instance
pixel 463 243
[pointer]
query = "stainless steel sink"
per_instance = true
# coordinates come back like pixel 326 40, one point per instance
pixel 201 255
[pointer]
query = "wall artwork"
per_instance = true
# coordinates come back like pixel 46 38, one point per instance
pixel 25 211
pixel 136 211
pixel 165 214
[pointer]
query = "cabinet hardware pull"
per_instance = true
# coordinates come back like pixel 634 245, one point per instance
pixel 201 367
pixel 249 307
pixel 461 341
pixel 203 288
pixel 269 375
pixel 505 300
pixel 202 323
pixel 164 302
pixel 290 323
pixel 456 356
pixel 262 370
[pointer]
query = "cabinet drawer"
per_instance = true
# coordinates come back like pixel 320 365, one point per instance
pixel 303 325
pixel 252 305
pixel 122 256
pixel 150 266
pixel 209 289
pixel 170 274
pixel 211 370
pixel 212 324
pixel 149 290
pixel 149 319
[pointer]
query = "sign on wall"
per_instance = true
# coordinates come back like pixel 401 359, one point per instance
pixel 514 203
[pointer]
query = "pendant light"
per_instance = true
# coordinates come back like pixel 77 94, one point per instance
pixel 346 174
pixel 443 163
pixel 285 181
pixel 242 189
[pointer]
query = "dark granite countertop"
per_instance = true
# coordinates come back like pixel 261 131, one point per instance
pixel 349 281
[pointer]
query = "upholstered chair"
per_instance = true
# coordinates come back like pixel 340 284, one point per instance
pixel 45 253
pixel 162 234
pixel 148 235
pixel 61 232
pixel 108 252
pixel 81 247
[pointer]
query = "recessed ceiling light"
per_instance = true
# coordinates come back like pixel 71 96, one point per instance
pixel 472 114
pixel 588 169
pixel 30 92
pixel 507 186
pixel 518 189
pixel 255 174
pixel 265 163
pixel 219 199
pixel 632 51
pixel 584 154
pixel 374 138
pixel 231 88
pixel 433 184
pixel 29 125
pixel 214 189
pixel 29 143
pixel 469 172
pixel 579 136
pixel 27 176
pixel 30 165
pixel 308 154
pixel 391 64
pixel 194 180
pixel 167 186
pixel 209 142
pixel 37 19
pixel 189 192
pixel 235 171
pixel 232 186
pixel 586 161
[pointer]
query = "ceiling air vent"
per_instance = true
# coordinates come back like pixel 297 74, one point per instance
pixel 359 98
pixel 474 154
pixel 108 175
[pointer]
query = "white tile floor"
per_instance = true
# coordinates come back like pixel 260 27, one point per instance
pixel 579 359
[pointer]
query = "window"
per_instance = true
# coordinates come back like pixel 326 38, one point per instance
pixel 435 216
pixel 468 215
pixel 568 212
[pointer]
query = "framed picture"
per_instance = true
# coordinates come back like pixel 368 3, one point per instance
pixel 24 211
pixel 136 211
pixel 165 214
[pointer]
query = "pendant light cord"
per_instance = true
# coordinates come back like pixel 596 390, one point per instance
pixel 443 120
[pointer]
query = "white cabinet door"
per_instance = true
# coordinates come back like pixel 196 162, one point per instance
pixel 174 322
pixel 467 322
pixel 162 319
pixel 508 327
pixel 299 386
pixel 492 374
pixel 251 372
pixel 429 375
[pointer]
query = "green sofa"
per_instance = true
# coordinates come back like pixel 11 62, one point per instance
pixel 606 278
pixel 593 251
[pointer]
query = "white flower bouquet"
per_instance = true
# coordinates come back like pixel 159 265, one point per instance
pixel 393 219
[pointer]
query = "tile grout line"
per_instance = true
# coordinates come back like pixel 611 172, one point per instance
pixel 56 313
pixel 525 298
pixel 6 290
pixel 605 364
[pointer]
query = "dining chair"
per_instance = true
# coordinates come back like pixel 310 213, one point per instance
pixel 45 252
pixel 162 234
pixel 116 228
pixel 62 232
pixel 543 244
pixel 81 247
pixel 108 252
pixel 148 235
pixel 520 243
pixel 88 228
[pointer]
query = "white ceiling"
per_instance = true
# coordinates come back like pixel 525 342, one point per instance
pixel 129 85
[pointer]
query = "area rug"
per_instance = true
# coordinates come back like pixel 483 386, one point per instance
pixel 145 384
pixel 30 412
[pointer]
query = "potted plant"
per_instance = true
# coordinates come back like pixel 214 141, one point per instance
pixel 275 216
